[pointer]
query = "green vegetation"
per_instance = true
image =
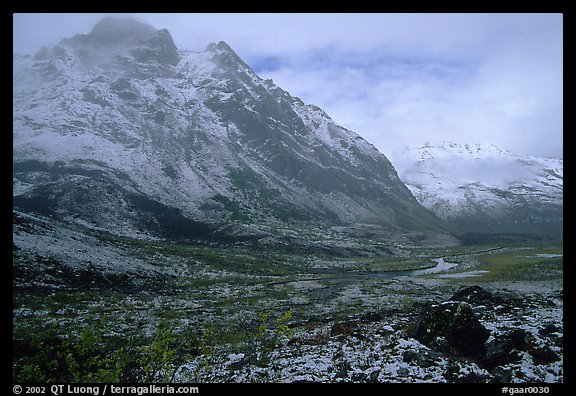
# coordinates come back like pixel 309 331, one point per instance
pixel 271 333
pixel 523 264
pixel 48 355
pixel 237 213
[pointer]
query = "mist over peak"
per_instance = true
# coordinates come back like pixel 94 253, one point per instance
pixel 113 40
pixel 484 187
pixel 119 28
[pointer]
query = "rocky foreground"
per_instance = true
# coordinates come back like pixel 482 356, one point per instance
pixel 475 336
pixel 242 315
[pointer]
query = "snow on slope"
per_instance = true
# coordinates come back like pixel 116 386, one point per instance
pixel 472 180
pixel 196 131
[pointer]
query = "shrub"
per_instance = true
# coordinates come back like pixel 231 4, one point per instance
pixel 88 357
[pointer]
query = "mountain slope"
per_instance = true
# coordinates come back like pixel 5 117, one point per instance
pixel 482 188
pixel 117 129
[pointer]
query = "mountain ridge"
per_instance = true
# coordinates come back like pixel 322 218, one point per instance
pixel 136 142
pixel 480 187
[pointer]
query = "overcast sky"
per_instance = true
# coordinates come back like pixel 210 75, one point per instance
pixel 396 79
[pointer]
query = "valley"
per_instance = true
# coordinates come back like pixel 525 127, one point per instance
pixel 230 312
pixel 178 218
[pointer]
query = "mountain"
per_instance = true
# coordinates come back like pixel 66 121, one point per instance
pixel 483 188
pixel 119 130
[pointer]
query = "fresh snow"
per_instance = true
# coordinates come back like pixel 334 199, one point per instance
pixel 455 179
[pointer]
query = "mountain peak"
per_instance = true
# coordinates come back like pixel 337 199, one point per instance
pixel 226 57
pixel 481 187
pixel 113 29
pixel 224 46
pixel 208 141
pixel 117 35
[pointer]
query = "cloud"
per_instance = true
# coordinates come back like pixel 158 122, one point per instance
pixel 395 79
pixel 507 90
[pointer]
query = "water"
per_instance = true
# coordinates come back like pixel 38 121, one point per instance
pixel 441 265
pixel 334 279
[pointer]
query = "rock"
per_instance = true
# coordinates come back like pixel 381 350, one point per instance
pixel 553 333
pixel 475 295
pixel 451 327
pixel 499 352
pixel 421 358
pixel 373 378
pixel 521 339
pixel 544 355
pixel 505 349
pixel 237 361
pixel 502 375
pixel 478 297
pixel 549 329
pixel 455 374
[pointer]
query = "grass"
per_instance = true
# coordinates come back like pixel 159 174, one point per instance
pixel 521 264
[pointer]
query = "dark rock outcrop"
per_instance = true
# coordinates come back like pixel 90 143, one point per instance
pixel 451 327
pixel 507 348
pixel 475 295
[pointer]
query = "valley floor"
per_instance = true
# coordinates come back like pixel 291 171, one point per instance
pixel 88 306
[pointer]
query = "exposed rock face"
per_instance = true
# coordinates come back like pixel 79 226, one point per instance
pixel 476 295
pixel 507 348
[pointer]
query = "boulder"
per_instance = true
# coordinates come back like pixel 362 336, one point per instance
pixel 475 295
pixel 451 327
pixel 544 355
pixel 506 349
pixel 498 352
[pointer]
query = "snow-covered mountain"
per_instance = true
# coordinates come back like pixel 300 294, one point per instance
pixel 482 188
pixel 120 130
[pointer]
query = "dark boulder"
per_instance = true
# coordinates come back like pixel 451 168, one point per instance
pixel 499 352
pixel 476 295
pixel 553 333
pixel 451 327
pixel 507 348
pixel 502 375
pixel 521 339
pixel 544 355
pixel 549 329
